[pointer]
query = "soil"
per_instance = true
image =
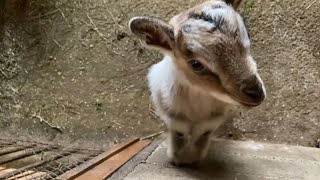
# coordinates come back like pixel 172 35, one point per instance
pixel 71 72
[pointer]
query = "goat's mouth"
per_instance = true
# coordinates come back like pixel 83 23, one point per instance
pixel 247 101
pixel 244 103
pixel 250 105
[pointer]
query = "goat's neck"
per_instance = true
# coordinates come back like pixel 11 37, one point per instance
pixel 191 100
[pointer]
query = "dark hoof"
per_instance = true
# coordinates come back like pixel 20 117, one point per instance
pixel 185 164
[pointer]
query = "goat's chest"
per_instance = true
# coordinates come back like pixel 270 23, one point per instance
pixel 196 105
pixel 173 98
pixel 180 102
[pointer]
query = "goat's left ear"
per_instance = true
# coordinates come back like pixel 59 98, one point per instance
pixel 153 33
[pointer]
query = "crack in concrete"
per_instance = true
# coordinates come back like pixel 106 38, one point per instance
pixel 140 158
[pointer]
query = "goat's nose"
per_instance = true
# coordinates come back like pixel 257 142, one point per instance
pixel 253 88
pixel 254 92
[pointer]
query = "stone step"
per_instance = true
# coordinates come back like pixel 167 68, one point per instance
pixel 236 160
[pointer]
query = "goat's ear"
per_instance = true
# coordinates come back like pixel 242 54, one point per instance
pixel 234 3
pixel 153 33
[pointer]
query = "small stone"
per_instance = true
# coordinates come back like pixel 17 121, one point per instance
pixel 121 35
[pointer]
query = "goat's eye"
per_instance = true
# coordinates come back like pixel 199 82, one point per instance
pixel 178 135
pixel 206 134
pixel 196 65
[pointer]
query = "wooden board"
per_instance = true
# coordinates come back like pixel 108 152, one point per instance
pixel 5 170
pixel 100 167
pixel 133 144
pixel 21 176
pixel 106 168
pixel 27 175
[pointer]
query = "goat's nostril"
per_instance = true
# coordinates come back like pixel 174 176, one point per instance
pixel 255 92
pixel 253 88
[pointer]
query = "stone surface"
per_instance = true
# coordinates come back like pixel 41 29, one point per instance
pixel 236 160
pixel 136 160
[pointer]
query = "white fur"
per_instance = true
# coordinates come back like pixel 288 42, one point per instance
pixel 243 32
pixel 164 77
pixel 253 68
pixel 161 78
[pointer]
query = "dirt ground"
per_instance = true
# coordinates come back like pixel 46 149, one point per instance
pixel 71 72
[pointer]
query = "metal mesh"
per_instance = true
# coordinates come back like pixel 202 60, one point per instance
pixel 33 160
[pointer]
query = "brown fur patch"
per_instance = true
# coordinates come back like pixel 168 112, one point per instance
pixel 153 32
pixel 235 3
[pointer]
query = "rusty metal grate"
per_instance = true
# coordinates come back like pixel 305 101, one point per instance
pixel 33 160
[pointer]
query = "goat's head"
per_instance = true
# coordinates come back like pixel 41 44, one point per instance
pixel 209 43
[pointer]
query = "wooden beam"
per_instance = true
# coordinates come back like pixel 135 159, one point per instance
pixel 97 160
pixel 35 165
pixel 22 176
pixel 108 167
pixel 16 149
pixel 27 153
pixel 4 171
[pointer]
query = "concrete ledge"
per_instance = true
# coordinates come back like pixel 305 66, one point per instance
pixel 135 161
pixel 236 160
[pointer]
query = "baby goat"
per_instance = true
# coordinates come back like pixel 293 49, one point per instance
pixel 207 67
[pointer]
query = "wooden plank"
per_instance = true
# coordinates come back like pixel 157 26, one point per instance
pixel 31 176
pixel 98 159
pixel 37 164
pixel 27 153
pixel 22 176
pixel 6 144
pixel 4 171
pixel 16 149
pixel 109 166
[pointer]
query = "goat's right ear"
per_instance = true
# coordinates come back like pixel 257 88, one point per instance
pixel 234 3
pixel 153 33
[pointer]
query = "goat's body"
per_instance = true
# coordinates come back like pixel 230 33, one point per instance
pixel 176 99
pixel 185 109
pixel 207 67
